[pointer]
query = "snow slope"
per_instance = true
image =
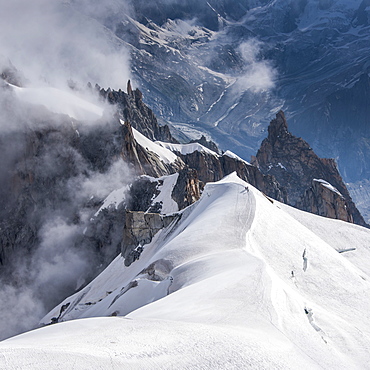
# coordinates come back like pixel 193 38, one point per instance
pixel 59 101
pixel 164 189
pixel 164 154
pixel 238 281
pixel 185 149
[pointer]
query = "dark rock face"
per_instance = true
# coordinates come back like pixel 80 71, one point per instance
pixel 321 199
pixel 211 168
pixel 46 193
pixel 40 174
pixel 140 228
pixel 293 163
pixel 143 161
pixel 141 193
pixel 133 110
pixel 186 191
pixel 206 143
pixel 11 75
pixel 187 188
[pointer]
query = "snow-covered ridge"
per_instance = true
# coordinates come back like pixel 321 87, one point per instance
pixel 164 154
pixel 328 186
pixel 166 151
pixel 185 149
pixel 59 101
pixel 230 154
pixel 114 199
pixel 273 294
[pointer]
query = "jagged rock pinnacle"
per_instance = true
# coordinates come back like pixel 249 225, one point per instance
pixel 278 127
pixel 129 88
pixel 295 165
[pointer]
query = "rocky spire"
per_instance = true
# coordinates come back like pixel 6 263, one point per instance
pixel 278 127
pixel 295 165
pixel 129 88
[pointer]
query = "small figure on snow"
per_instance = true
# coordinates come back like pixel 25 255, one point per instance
pixel 305 260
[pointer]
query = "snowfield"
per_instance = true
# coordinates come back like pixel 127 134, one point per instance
pixel 60 102
pixel 237 281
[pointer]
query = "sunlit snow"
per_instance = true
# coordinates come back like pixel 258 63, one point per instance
pixel 328 186
pixel 164 154
pixel 59 101
pixel 238 281
pixel 186 148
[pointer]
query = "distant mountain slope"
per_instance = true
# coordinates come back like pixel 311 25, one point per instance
pixel 222 69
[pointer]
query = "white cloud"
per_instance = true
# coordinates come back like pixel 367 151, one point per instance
pixel 259 75
pixel 52 41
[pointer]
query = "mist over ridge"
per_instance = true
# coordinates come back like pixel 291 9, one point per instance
pixel 221 69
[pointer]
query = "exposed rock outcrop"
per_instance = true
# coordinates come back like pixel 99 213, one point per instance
pixel 10 74
pixel 213 167
pixel 206 143
pixel 323 199
pixel 140 228
pixel 132 109
pixel 187 189
pixel 295 165
pixel 143 161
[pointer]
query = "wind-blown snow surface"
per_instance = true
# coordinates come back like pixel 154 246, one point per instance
pixel 59 101
pixel 239 281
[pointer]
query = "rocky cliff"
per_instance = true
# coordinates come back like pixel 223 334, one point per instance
pixel 142 161
pixel 52 174
pixel 293 163
pixel 325 200
pixel 212 167
pixel 140 228
pixel 131 108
